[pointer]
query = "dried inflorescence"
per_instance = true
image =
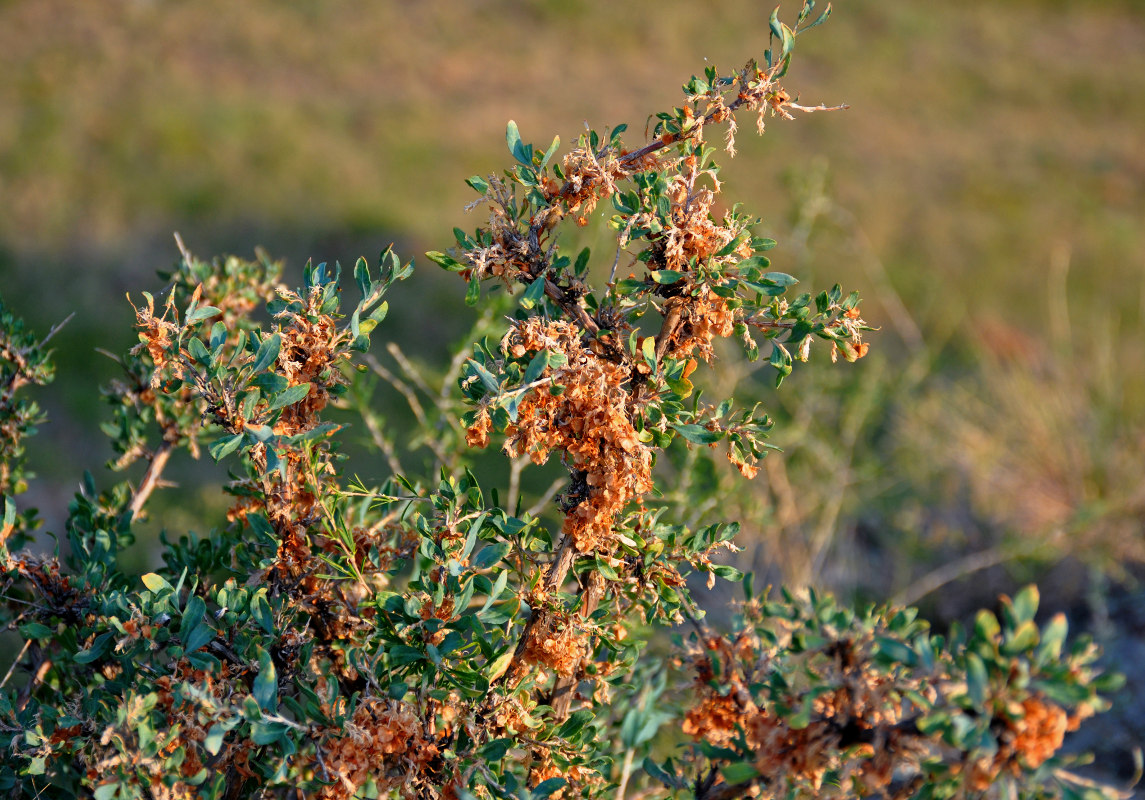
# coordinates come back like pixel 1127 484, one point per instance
pixel 855 722
pixel 312 347
pixel 553 640
pixel 157 335
pixel 589 423
pixel 852 729
pixel 383 741
pixel 1031 733
pixel 576 778
pixel 591 177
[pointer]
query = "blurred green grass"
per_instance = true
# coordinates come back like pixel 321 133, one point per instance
pixel 989 178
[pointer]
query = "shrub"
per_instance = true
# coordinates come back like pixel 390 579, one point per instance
pixel 343 637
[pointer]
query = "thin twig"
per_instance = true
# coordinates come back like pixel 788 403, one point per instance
pixel 536 508
pixel 150 478
pixel 407 367
pixel 12 668
pixel 384 445
pixel 975 562
pixel 188 259
pixel 401 386
pixel 625 772
pixel 516 467
pixel 56 328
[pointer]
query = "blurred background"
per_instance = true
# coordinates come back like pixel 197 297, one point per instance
pixel 985 192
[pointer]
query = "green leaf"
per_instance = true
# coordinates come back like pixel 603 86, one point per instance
pixel 779 279
pixel 199 636
pixel 739 773
pixel 575 724
pixel 1022 639
pixel 552 150
pixel 473 290
pixel 100 646
pixel 485 375
pixel 516 147
pixel 669 779
pixel 199 351
pixel 986 627
pixel 251 711
pixel 214 741
pixel 775 24
pixel 788 38
pixel 290 396
pixel 892 651
pixel 728 573
pixel 192 616
pixel 781 360
pixel 155 583
pixel 666 276
pixel 491 554
pixel 495 593
pixel 546 787
pixel 260 610
pixel 201 313
pixel 265 688
pixel 534 293
pixel 606 570
pixel 263 733
pixel 224 446
pixel 267 353
pixel 536 366
pixel 1026 604
pixel 496 749
pixel 269 382
pixel 34 630
pixel 498 665
pixel 442 260
pixel 106 791
pixel 697 434
pixel 648 350
pixel 478 184
pixel 1053 637
pixel 822 18
pixel 976 679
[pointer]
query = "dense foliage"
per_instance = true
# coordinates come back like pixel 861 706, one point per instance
pixel 342 637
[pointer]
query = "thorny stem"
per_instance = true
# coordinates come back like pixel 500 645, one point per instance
pixel 559 568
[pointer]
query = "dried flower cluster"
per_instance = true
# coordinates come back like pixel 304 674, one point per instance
pixel 554 642
pixel 871 725
pixel 383 742
pixel 588 422
pixel 852 731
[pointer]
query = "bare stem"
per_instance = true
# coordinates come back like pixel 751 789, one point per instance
pixel 151 477
pixel 16 661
